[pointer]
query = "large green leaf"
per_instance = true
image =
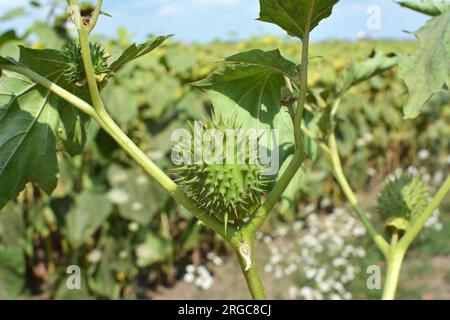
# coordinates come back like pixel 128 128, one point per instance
pixel 249 87
pixel 292 15
pixel 87 216
pixel 35 124
pixel 138 197
pixel 12 272
pixel 135 51
pixel 426 71
pixel 359 72
pixel 13 14
pixel 429 7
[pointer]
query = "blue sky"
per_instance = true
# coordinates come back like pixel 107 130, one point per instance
pixel 204 20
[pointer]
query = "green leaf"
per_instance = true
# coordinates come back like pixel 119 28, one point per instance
pixel 249 87
pixel 135 51
pixel 88 215
pixel 138 197
pixel 155 249
pixel 292 15
pixel 122 105
pixel 427 70
pixel 35 124
pixel 11 226
pixel 428 7
pixel 104 282
pixel 48 36
pixel 359 72
pixel 13 14
pixel 12 272
pixel 7 37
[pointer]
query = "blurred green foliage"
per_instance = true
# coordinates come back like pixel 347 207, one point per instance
pixel 109 218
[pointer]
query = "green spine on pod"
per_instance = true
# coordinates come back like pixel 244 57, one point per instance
pixel 74 72
pixel 401 201
pixel 229 187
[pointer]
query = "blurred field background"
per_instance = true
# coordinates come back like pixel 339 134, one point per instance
pixel 132 241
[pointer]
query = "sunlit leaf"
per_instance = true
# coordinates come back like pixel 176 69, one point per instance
pixel 135 51
pixel 427 70
pixel 429 7
pixel 359 72
pixel 34 124
pixel 249 88
pixel 292 15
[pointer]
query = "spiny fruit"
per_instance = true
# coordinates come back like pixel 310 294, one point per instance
pixel 229 190
pixel 401 202
pixel 74 73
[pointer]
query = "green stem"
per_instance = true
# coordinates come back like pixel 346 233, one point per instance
pixel 262 213
pixel 303 79
pixel 379 240
pixel 246 257
pixel 63 93
pixel 95 15
pixel 394 265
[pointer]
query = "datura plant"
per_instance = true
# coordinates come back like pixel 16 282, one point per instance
pixel 48 97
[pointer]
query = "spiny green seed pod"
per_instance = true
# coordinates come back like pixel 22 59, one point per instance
pixel 229 190
pixel 401 202
pixel 74 72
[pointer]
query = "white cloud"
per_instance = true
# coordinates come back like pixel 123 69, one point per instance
pixel 9 4
pixel 168 10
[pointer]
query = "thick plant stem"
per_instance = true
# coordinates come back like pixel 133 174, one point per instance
pixel 394 264
pixel 246 257
pixel 339 174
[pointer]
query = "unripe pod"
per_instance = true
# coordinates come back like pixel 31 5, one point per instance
pixel 75 74
pixel 401 201
pixel 229 190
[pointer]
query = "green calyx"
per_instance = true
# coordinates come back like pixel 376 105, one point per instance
pixel 75 74
pixel 401 201
pixel 229 190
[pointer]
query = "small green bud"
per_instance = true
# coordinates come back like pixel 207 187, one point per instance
pixel 229 191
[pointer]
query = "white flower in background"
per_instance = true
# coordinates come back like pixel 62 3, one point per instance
pixel 198 276
pixel 325 235
pixel 94 256
pixel 423 154
pixel 118 196
pixel 133 226
pixel 433 221
pixel 216 260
